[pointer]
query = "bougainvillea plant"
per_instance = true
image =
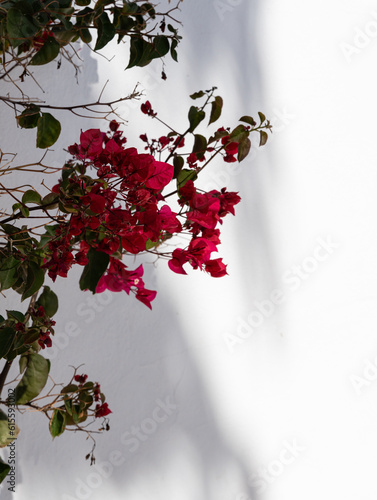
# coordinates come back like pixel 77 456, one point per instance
pixel 110 202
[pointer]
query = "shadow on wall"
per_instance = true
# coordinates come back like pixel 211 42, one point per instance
pixel 165 441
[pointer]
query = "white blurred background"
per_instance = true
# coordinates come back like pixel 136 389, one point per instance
pixel 261 384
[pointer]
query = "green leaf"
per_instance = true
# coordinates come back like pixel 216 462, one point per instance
pixel 261 117
pixel 49 301
pixel 173 52
pixel 195 116
pixel 149 9
pixel 85 35
pixel 49 50
pixel 200 146
pixel 24 210
pixel 50 199
pixel 197 95
pixel 29 117
pixel 34 379
pixel 7 336
pixel 263 137
pixel 217 106
pixel 243 149
pixel 137 47
pixel 98 262
pixel 48 131
pixel 20 23
pixel 34 280
pixel 106 31
pixel 8 430
pixel 17 315
pixel 8 272
pixel 69 388
pixel 178 163
pixel 82 3
pixel 160 46
pixel 23 363
pixel 184 176
pixel 249 120
pixel 238 134
pixel 4 469
pixel 57 423
pixel 31 196
pixel 68 405
pixel 30 336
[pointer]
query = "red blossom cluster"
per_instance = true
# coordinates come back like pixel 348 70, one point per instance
pixel 123 211
pixel 205 211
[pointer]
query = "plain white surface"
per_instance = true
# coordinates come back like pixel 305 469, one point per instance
pixel 283 410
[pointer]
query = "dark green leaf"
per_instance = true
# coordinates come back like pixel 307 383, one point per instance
pixel 106 31
pixel 243 149
pixel 8 430
pixel 160 46
pixel 57 423
pixel 69 388
pixel 31 196
pixel 98 262
pixel 217 106
pixel 249 120
pixel 29 117
pixel 148 8
pixel 49 301
pixel 46 53
pixel 178 163
pixel 4 469
pixel 184 176
pixel 200 146
pixel 8 272
pixel 137 47
pixel 238 134
pixel 34 379
pixel 48 131
pixel 197 95
pixel 173 51
pixel 261 117
pixel 195 116
pixel 20 23
pixel 30 336
pixel 34 280
pixel 50 199
pixel 85 35
pixel 7 336
pixel 82 3
pixel 263 137
pixel 17 315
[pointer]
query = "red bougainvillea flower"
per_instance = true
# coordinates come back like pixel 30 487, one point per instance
pixel 232 147
pixel 146 108
pixel 229 158
pixel 161 176
pixel 91 143
pixel 146 296
pixel 118 278
pixel 102 410
pixel 216 268
pixel 44 339
pixel 179 257
pixel 81 379
pixel 179 142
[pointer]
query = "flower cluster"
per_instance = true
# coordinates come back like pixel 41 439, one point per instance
pixel 205 211
pixel 122 210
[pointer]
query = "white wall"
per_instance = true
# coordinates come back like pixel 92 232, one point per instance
pixel 288 411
